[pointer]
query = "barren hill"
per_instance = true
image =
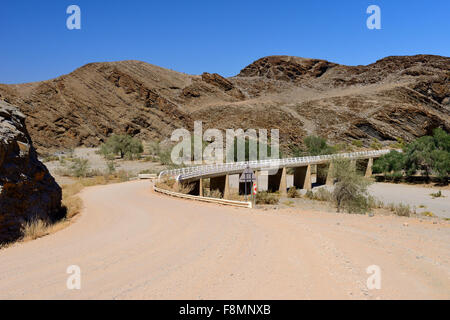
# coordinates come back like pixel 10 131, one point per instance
pixel 405 96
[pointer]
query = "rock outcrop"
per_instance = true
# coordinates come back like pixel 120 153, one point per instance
pixel 27 190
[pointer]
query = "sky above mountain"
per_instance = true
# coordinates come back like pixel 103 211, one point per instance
pixel 214 36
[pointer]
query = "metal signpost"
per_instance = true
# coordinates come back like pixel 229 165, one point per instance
pixel 248 176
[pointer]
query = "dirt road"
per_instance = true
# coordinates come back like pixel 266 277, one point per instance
pixel 132 243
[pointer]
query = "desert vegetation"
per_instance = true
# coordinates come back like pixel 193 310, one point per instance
pixel 171 185
pixel 124 146
pixel 264 197
pixel 428 155
pixel 314 146
pixel 350 189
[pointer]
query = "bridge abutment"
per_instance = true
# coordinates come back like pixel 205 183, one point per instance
pixel 330 179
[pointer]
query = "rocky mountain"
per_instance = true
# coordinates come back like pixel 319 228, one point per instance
pixel 396 97
pixel 27 190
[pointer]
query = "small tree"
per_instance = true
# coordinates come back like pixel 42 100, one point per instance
pixel 80 167
pixel 350 190
pixel 390 164
pixel 418 156
pixel 123 145
pixel 441 139
pixel 317 146
pixel 441 164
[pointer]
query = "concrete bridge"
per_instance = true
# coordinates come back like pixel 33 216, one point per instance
pixel 271 174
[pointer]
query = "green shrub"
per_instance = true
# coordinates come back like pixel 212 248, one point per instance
pixel 80 167
pixel 436 194
pixel 376 144
pixel 110 167
pixel 391 163
pixel 350 190
pixel 358 204
pixel 317 146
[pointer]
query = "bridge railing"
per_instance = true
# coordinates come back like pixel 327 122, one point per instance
pixel 211 169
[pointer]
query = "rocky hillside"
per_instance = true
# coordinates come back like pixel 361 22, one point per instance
pixel 394 97
pixel 27 190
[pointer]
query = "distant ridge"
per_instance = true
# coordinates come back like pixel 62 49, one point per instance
pixel 398 96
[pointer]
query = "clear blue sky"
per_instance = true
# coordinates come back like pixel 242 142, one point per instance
pixel 214 35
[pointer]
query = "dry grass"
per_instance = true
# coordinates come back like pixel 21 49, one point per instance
pixel 169 184
pixel 34 229
pixel 214 194
pixel 236 196
pixel 264 197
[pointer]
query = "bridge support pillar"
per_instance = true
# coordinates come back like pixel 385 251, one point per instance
pixel 226 192
pixel 200 187
pixel 330 178
pixel 277 182
pixel 368 173
pixel 302 177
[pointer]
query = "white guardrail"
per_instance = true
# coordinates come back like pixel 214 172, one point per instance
pixel 205 170
pixel 234 203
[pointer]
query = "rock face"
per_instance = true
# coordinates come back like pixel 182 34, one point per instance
pixel 27 190
pixel 396 97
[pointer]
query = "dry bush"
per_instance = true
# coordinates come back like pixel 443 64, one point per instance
pixel 323 194
pixel 34 229
pixel 235 197
pixel 214 194
pixel 183 188
pixel 122 175
pixel 402 210
pixel 265 197
pixel 165 183
pixel 293 193
pixel 375 203
pixel 171 185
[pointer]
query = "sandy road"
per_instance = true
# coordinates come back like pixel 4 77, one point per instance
pixel 132 243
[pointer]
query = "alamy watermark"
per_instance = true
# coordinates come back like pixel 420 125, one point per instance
pixel 374 20
pixel 374 280
pixel 240 145
pixel 74 280
pixel 73 22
